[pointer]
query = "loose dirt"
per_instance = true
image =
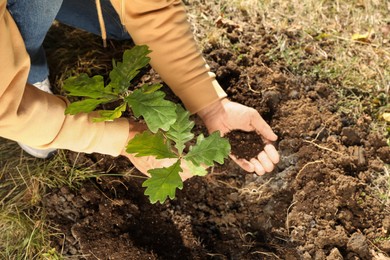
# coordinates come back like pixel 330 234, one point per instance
pixel 321 202
pixel 245 145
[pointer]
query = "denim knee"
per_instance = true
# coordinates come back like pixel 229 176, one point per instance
pixel 34 18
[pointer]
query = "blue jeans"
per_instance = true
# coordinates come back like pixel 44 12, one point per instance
pixel 34 18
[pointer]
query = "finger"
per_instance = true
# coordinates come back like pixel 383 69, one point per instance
pixel 265 162
pixel 187 172
pixel 272 153
pixel 259 169
pixel 141 163
pixel 244 164
pixel 262 127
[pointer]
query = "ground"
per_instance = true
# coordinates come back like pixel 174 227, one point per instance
pixel 327 198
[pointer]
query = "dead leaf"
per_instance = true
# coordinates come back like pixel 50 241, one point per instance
pixel 386 117
pixel 362 37
pixel 385 30
pixel 227 23
pixel 323 36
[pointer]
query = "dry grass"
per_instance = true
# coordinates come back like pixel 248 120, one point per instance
pixel 326 28
pixel 24 233
pixel 349 40
pixel 71 52
pixel 381 185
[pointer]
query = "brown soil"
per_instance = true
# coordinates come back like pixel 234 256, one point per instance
pixel 318 204
pixel 245 145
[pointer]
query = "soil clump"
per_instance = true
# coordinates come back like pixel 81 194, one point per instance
pixel 245 145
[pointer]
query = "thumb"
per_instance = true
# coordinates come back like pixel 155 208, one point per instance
pixel 262 128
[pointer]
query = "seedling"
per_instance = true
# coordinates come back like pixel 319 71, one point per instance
pixel 169 125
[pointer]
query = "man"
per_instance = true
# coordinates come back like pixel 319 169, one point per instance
pixel 36 118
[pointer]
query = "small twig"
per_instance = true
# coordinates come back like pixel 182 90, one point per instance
pixel 120 182
pixel 94 255
pixel 128 174
pixel 106 196
pixel 247 243
pixel 212 255
pixel 376 247
pixel 282 239
pixel 63 242
pixel 228 185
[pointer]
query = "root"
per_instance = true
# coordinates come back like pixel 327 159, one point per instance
pixel 307 164
pixel 214 255
pixel 266 254
pixel 287 219
pixel 248 242
pixel 249 86
pixel 247 191
pixel 323 147
pixel 254 192
pixel 378 256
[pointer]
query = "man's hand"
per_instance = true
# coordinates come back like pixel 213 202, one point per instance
pixel 146 163
pixel 225 116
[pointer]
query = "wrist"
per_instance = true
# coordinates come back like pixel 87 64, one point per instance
pixel 134 129
pixel 213 108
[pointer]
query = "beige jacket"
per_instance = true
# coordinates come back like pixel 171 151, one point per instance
pixel 36 118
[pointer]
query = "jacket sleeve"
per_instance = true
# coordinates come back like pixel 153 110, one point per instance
pixel 163 26
pixel 35 118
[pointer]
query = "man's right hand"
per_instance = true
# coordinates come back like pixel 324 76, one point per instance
pixel 146 163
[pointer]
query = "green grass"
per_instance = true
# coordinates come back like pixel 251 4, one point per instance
pixel 24 234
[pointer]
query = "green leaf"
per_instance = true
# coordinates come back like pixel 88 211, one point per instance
pixel 84 86
pixel 209 149
pixel 123 72
pixel 157 112
pixel 109 115
pixel 147 89
pixel 84 106
pixel 196 170
pixel 149 144
pixel 180 131
pixel 163 183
